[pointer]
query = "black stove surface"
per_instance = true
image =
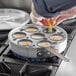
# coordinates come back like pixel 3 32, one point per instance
pixel 3 36
pixel 23 67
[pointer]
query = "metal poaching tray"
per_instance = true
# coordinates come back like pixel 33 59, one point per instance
pixel 34 49
pixel 40 30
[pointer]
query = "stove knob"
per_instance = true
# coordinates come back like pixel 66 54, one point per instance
pixel 39 54
pixel 48 53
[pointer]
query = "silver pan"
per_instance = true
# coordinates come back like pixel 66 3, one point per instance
pixel 34 50
pixel 12 18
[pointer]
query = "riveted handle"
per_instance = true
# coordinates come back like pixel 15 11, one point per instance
pixel 54 51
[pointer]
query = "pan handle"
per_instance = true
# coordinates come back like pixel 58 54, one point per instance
pixel 54 51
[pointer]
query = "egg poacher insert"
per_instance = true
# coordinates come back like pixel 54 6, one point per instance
pixel 36 36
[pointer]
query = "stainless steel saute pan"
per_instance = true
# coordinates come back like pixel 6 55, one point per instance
pixel 31 40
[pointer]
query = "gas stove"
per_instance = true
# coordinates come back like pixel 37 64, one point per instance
pixel 20 66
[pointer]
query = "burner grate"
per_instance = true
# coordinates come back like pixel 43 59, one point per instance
pixel 15 68
pixel 4 69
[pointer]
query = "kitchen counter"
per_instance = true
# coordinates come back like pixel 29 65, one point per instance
pixel 69 68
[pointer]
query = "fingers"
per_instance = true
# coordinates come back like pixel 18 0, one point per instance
pixel 64 15
pixel 39 23
pixel 60 19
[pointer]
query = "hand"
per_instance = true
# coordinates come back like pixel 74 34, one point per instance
pixel 36 18
pixel 64 15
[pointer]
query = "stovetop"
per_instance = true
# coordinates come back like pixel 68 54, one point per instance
pixel 17 66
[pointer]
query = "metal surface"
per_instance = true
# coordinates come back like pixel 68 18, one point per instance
pixel 12 18
pixel 58 54
pixel 34 50
pixel 69 69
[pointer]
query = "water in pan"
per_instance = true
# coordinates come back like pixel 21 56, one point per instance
pixel 44 44
pixel 31 29
pixel 56 38
pixel 38 36
pixel 25 42
pixel 46 30
pixel 19 35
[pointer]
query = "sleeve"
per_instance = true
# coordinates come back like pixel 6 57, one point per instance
pixel 50 8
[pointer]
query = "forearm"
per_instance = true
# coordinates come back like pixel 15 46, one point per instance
pixel 69 13
pixel 34 11
pixel 35 17
pixel 34 14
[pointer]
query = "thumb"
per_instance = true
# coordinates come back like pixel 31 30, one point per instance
pixel 60 19
pixel 39 23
